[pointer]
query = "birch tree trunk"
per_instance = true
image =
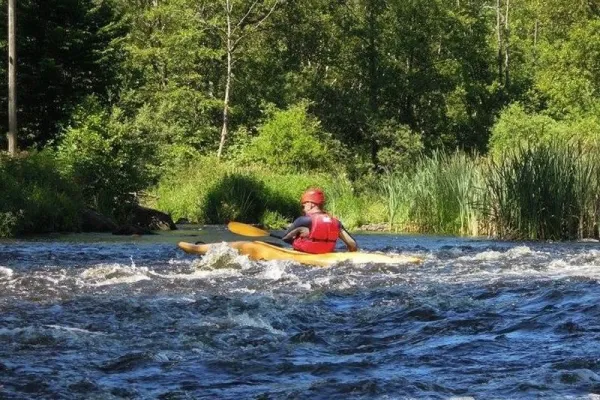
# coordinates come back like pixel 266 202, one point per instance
pixel 506 45
pixel 499 39
pixel 229 43
pixel 233 36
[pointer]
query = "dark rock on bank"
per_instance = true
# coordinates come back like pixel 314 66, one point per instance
pixel 153 220
pixel 376 227
pixel 93 221
pixel 129 229
pixel 141 221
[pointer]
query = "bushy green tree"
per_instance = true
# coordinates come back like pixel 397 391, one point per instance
pixel 169 76
pixel 106 157
pixel 292 140
pixel 398 146
pixel 569 74
pixel 517 128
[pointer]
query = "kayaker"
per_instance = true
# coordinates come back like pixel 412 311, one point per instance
pixel 317 232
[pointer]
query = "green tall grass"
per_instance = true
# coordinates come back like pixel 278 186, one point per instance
pixel 587 193
pixel 397 195
pixel 441 196
pixel 538 192
pixel 548 191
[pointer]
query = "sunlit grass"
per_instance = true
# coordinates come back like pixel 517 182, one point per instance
pixel 538 192
pixel 441 196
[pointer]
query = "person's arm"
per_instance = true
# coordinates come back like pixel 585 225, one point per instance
pixel 300 227
pixel 294 233
pixel 348 239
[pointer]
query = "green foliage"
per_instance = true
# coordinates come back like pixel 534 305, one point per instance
pixel 35 197
pixel 396 196
pixel 236 197
pixel 442 196
pixel 274 220
pixel 291 140
pixel 182 190
pixel 211 191
pixel 142 84
pixel 343 203
pixel 517 128
pixel 106 158
pixel 63 56
pixel 9 223
pixel 543 192
pixel 167 77
pixel 568 75
pixel 285 190
pixel 398 146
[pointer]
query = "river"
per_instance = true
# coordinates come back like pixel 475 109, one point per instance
pixel 93 316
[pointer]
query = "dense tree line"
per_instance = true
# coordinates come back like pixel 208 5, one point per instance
pixel 380 75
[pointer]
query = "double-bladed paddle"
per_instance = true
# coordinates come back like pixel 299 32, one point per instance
pixel 249 230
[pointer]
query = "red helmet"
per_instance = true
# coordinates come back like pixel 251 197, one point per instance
pixel 314 195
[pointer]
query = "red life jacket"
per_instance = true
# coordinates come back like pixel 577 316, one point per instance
pixel 323 234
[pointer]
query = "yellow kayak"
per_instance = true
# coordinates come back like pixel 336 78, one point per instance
pixel 257 250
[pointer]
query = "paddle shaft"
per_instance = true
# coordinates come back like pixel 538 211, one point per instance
pixel 249 230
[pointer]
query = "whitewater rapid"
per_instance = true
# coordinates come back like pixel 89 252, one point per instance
pixel 138 318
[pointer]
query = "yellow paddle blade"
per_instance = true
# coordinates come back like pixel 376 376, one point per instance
pixel 246 230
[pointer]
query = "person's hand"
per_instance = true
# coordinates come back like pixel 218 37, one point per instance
pixel 303 232
pixel 298 232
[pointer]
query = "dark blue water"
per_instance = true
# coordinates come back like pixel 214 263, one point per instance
pixel 101 317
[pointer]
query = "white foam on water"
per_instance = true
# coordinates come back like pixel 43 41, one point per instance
pixel 590 258
pixel 519 263
pixel 562 269
pixel 221 255
pixel 167 356
pixel 203 274
pixel 323 281
pixel 346 284
pixel 42 334
pixel 244 290
pixel 492 255
pixel 74 330
pixel 54 277
pixel 255 322
pixel 273 271
pixel 6 272
pixel 174 261
pixel 113 274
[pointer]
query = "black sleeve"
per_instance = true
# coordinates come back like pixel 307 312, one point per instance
pixel 344 229
pixel 300 222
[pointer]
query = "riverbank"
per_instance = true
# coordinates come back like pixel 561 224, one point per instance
pixel 539 193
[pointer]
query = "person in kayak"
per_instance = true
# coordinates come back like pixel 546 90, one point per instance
pixel 317 232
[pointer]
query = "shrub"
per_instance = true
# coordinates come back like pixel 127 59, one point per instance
pixel 291 140
pixel 182 190
pixel 35 197
pixel 106 158
pixel 236 197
